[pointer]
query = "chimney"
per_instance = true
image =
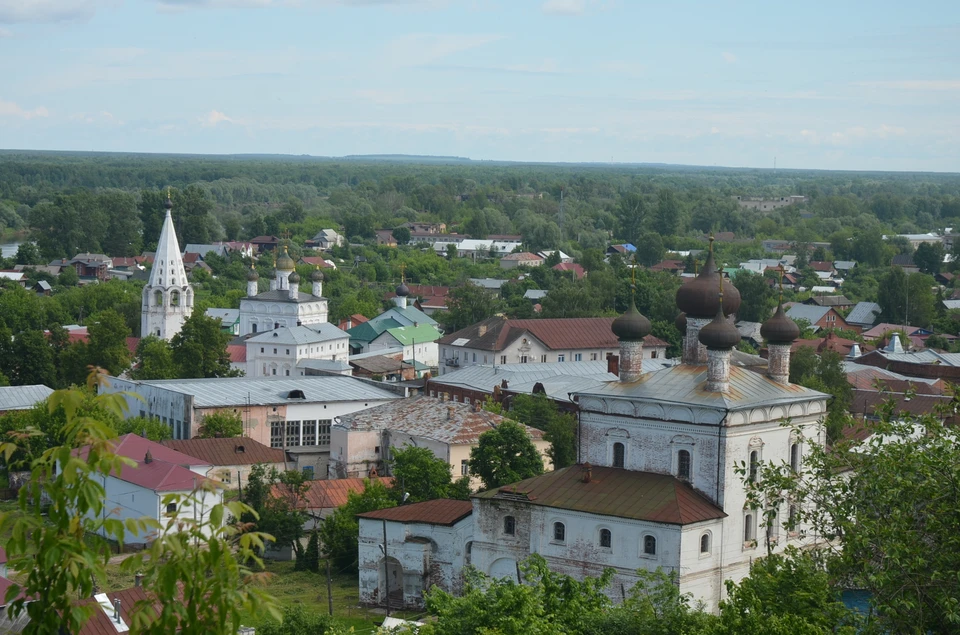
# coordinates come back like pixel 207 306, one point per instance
pixel 587 470
pixel 116 610
pixel 148 458
pixel 451 411
pixel 481 330
pixel 854 352
pixel 613 364
pixel 138 579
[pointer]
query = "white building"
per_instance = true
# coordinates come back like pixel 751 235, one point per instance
pixel 278 352
pixel 400 315
pixel 284 304
pixel 419 343
pixel 167 299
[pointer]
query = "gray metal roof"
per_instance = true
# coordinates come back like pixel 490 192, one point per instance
pixel 809 312
pixel 684 384
pixel 22 397
pixel 850 367
pixel 329 365
pixel 951 304
pixel 404 316
pixel 489 283
pixel 750 330
pixel 844 265
pixel 535 294
pixel 227 316
pixel 297 335
pixel 262 391
pixel 278 295
pixel 864 313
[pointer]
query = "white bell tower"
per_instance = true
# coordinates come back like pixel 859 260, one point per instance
pixel 168 298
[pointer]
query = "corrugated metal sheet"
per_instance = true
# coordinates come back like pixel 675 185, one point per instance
pixel 556 334
pixel 22 397
pixel 294 335
pixel 100 623
pixel 231 451
pixel 442 511
pixel 613 492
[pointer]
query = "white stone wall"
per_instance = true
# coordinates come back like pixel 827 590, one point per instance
pixel 263 364
pixel 171 407
pixel 265 315
pixel 534 351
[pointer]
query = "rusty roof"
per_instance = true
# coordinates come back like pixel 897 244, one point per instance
pixel 101 623
pixel 556 333
pixel 442 511
pixel 427 417
pixel 659 498
pixel 228 451
pixel 331 493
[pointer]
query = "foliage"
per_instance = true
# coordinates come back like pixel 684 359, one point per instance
pixel 151 427
pixel 906 299
pixel 466 305
pixel 200 348
pixel 505 455
pixel 929 257
pixel 340 530
pixel 275 502
pixel 757 297
pixel 417 472
pixel 154 360
pixel 311 557
pixel 297 620
pixel 220 424
pixel 824 372
pixel 541 412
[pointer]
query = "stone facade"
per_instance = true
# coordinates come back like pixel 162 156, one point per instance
pixel 718 370
pixel 693 351
pixel 778 363
pixel 631 360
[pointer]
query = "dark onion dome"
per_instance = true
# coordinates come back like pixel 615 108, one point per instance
pixel 698 297
pixel 168 203
pixel 632 326
pixel 779 329
pixel 252 275
pixel 285 262
pixel 681 323
pixel 403 290
pixel 316 275
pixel 294 278
pixel 719 333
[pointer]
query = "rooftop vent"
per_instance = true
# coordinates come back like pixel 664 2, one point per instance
pixel 239 449
pixel 296 394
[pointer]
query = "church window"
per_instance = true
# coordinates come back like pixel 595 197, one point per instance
pixel 174 298
pixel 795 457
pixel 683 464
pixel 158 298
pixel 523 359
pixel 754 464
pixel 288 372
pixel 606 539
pixel 158 332
pixel 273 371
pixel 705 543
pixel 749 529
pixel 509 525
pixel 255 330
pixel 274 351
pixel 261 348
pixel 649 545
pixel 559 532
pixel 619 450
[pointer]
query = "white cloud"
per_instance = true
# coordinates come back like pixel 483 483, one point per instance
pixel 728 57
pixel 915 84
pixel 14 11
pixel 5 32
pixel 422 48
pixel 564 7
pixel 213 118
pixel 11 109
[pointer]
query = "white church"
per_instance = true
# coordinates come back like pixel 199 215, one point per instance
pixel 655 486
pixel 167 299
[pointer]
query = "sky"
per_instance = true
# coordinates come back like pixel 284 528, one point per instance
pixel 844 84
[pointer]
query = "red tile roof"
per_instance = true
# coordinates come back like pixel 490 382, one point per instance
pixel 228 451
pixel 578 271
pixel 442 511
pixel 315 261
pixel 613 492
pixel 555 333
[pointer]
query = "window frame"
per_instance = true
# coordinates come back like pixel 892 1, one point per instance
pixel 684 458
pixel 559 533
pixel 609 535
pixel 648 546
pixel 509 525
pixel 623 455
pixel 707 538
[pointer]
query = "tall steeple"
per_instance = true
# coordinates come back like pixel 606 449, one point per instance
pixel 167 299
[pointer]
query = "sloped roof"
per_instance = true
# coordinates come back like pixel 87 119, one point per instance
pixel 369 330
pixel 442 511
pixel 237 353
pixel 831 300
pixel 444 421
pixel 864 313
pixel 412 334
pixel 102 624
pixel 328 494
pixel 22 397
pixel 297 335
pixel 227 451
pixel 615 492
pixel 809 312
pixel 379 364
pixel 280 295
pixel 883 328
pixel 522 255
pixel 556 333
pixel 135 447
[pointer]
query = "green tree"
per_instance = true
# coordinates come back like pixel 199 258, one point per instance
pixel 824 372
pixel 929 258
pixel 631 215
pixel 469 304
pixel 906 299
pixel 505 455
pixel 666 220
pixel 200 349
pixel 417 472
pixel 28 254
pixel 340 530
pixel 220 424
pixel 297 620
pixel 757 296
pixel 311 557
pixel 124 227
pixel 154 360
pixel 650 249
pixel 150 427
pixel 402 235
pixel 276 502
pixel 30 360
pixel 541 412
pixel 107 347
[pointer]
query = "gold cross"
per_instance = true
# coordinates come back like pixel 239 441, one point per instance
pixel 403 268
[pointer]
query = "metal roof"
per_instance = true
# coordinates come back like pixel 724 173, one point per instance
pixel 329 494
pixel 864 313
pixel 227 451
pixel 497 332
pixel 413 334
pixel 22 397
pixel 809 312
pixel 850 367
pixel 227 316
pixel 281 295
pixel 534 294
pixel 684 384
pixel 261 391
pixel 296 335
pixel 615 492
pixel 331 365
pixel 442 511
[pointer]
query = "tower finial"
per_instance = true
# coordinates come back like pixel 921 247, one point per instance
pixel 780 276
pixel 403 269
pixel 633 279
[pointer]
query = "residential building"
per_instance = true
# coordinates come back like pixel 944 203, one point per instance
pixel 905 262
pixel 521 259
pixel 819 317
pixel 385 237
pixel 92 265
pixel 167 299
pixel 500 340
pixel 390 367
pixel 360 443
pixel 219 249
pixel 425 297
pixel 265 243
pixel 278 352
pixel 426 228
pixel 864 315
pixel 575 269
pixel 229 319
pixel 564 258
pixel 915 334
pixel 769 204
pixel 402 314
pixel 837 301
pixel 230 458
pixel 324 496
pixel 419 343
pixel 326 239
pixel 22 397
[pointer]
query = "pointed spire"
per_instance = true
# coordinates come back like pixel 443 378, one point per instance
pixel 168 268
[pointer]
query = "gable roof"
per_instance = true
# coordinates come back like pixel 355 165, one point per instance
pixel 227 451
pixel 135 447
pixel 22 397
pixel 442 511
pixel 497 332
pixel 329 494
pixel 297 335
pixel 102 624
pixel 523 255
pixel 615 492
pixel 864 313
pixel 830 300
pixel 411 334
pixel 882 329
pixel 809 312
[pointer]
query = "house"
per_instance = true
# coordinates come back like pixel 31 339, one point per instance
pixel 139 490
pixel 819 317
pixel 478 249
pixel 534 295
pixel 426 228
pixel 22 397
pixel 418 342
pixel 318 262
pixel 843 346
pixel 944 278
pixel 91 265
pixel 425 297
pixel 389 367
pixel 291 413
pixel 385 238
pixel 360 443
pixel 493 285
pixel 750 333
pixel 402 314
pixel 265 243
pixel 218 249
pixel 324 496
pixel 279 351
pixel 574 268
pixel 42 287
pixel 564 258
pixel 670 266
pixel 501 340
pixel 864 315
pixel 426 545
pixel 229 319
pixel 822 266
pixel 925 363
pixel 521 259
pixel 905 262
pixel 624 249
pixel 844 267
pixel 769 204
pixel 230 459
pixel 837 301
pixel 326 239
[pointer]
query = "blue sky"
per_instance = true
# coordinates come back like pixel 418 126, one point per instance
pixel 832 85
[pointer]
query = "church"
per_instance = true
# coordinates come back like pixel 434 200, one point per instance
pixel 284 305
pixel 656 483
pixel 167 299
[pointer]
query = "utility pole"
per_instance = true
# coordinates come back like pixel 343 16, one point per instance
pixel 386 571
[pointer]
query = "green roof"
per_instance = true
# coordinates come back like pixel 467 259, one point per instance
pixel 407 335
pixel 369 331
pixel 417 366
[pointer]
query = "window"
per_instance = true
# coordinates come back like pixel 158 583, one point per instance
pixel 273 371
pixel 310 432
pixel 754 464
pixel 465 467
pixel 509 525
pixel 795 457
pixel 261 348
pixel 503 359
pixel 288 351
pixel 705 543
pixel 559 532
pixel 523 359
pixel 255 330
pixel 649 545
pixel 792 519
pixel 561 358
pixel 653 354
pixel 308 472
pixel 274 351
pixel 174 298
pixel 543 359
pixel 293 433
pixel 323 434
pixel 474 357
pixel 288 372
pixel 158 298
pixel 749 530
pixel 619 450
pixel 171 508
pixel 683 464
pixel 484 359
pixel 606 539
pixel 593 357
pixel 577 357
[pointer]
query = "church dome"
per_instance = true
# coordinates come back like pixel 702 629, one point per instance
pixel 285 262
pixel 698 297
pixel 316 275
pixel 252 275
pixel 719 334
pixel 632 325
pixel 294 278
pixel 403 290
pixel 168 203
pixel 780 329
pixel 681 323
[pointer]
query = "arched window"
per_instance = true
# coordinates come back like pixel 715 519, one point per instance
pixel 509 525
pixel 754 464
pixel 606 538
pixel 619 450
pixel 683 464
pixel 158 298
pixel 254 328
pixel 705 543
pixel 559 532
pixel 749 530
pixel 649 545
pixel 795 457
pixel 174 298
